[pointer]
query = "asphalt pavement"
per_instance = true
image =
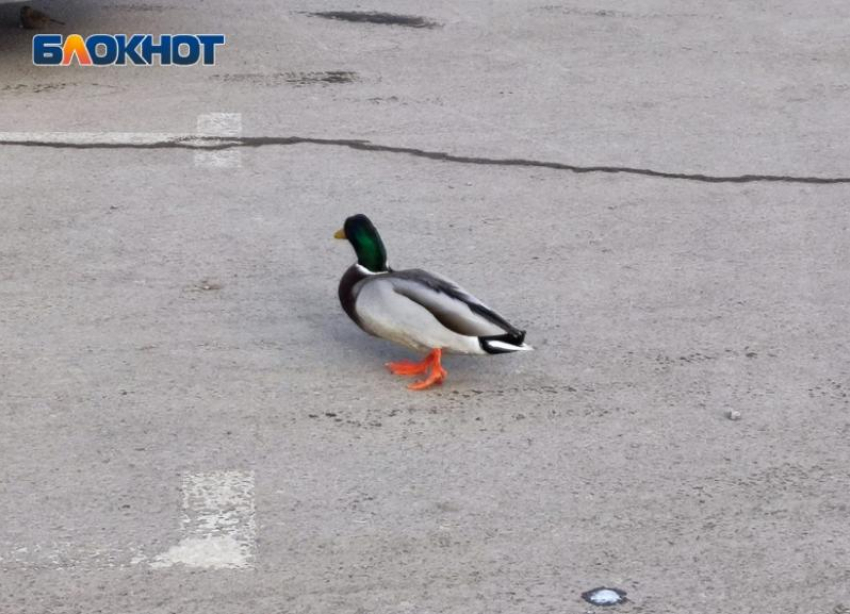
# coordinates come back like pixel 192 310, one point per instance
pixel 657 191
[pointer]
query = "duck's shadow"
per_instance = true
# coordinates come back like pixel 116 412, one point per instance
pixel 348 338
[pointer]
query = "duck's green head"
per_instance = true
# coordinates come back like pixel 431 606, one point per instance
pixel 364 238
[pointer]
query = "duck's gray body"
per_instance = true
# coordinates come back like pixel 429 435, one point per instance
pixel 424 311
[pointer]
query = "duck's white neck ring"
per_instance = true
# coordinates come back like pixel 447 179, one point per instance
pixel 363 270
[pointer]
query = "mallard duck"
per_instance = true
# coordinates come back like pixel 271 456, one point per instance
pixel 417 309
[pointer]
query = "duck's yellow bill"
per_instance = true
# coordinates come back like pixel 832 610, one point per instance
pixel 339 234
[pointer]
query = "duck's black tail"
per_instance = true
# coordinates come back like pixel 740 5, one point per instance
pixel 513 341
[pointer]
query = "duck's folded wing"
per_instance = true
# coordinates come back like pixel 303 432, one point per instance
pixel 453 306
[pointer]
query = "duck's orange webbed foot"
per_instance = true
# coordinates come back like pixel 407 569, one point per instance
pixel 432 361
pixel 437 375
pixel 408 367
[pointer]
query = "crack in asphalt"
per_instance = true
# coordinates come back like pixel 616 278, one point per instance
pixel 212 143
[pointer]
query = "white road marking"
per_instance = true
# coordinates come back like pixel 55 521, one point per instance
pixel 66 554
pixel 219 124
pixel 99 138
pixel 218 522
pixel 208 124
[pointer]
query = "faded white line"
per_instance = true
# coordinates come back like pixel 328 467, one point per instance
pixel 65 554
pixel 99 138
pixel 222 125
pixel 218 524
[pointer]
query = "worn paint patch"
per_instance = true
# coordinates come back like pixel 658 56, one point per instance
pixel 219 125
pixel 218 522
pixel 221 552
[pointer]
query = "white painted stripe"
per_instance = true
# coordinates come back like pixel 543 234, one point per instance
pixel 219 528
pixel 65 554
pixel 219 124
pixel 100 138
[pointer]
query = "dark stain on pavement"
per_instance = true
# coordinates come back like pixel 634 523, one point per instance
pixel 319 77
pixel 386 19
